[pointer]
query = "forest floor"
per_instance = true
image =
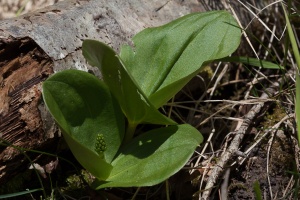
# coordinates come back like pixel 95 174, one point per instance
pixel 221 102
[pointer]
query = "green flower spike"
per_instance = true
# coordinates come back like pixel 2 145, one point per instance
pixel 100 145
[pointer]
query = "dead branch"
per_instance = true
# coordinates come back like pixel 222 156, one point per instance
pixel 241 129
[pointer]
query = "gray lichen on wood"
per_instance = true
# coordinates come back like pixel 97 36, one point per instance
pixel 35 45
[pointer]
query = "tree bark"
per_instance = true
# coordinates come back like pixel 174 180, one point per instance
pixel 35 45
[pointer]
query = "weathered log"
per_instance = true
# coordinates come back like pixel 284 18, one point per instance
pixel 35 45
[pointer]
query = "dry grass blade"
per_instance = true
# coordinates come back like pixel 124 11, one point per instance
pixel 269 93
pixel 239 134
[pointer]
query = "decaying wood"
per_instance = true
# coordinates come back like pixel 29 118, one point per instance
pixel 37 44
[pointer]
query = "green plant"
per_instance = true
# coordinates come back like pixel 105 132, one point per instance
pixel 91 113
pixel 22 8
pixel 297 57
pixel 6 196
pixel 295 51
pixel 257 190
pixel 20 182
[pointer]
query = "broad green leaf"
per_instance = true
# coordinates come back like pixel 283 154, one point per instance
pixel 132 100
pixel 166 58
pixel 153 157
pixel 83 108
pixel 252 61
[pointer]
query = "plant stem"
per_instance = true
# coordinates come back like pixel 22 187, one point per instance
pixel 3 142
pixel 292 39
pixel 129 132
pixel 297 106
pixel 167 190
pixel 297 57
pixel 136 193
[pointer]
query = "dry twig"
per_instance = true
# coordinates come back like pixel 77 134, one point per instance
pixel 240 130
